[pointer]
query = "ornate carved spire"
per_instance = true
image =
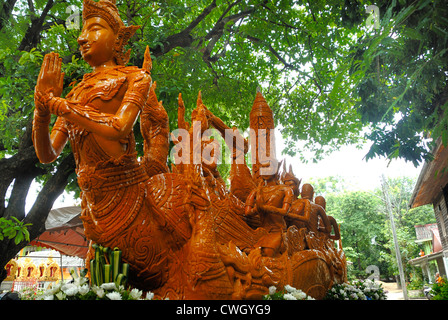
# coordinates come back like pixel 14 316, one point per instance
pixel 262 134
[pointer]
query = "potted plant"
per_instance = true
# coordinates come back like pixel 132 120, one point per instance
pixel 415 287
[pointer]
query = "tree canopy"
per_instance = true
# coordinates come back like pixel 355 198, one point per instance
pixel 366 233
pixel 402 87
pixel 326 71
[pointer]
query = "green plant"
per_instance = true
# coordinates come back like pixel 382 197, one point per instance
pixel 416 282
pixel 107 267
pixel 439 290
pixel 79 289
pixel 14 229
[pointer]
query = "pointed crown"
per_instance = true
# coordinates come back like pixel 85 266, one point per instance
pixel 103 9
pixel 289 175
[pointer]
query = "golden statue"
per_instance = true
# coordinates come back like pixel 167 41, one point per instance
pixel 11 270
pixel 49 270
pixel 27 270
pixel 183 234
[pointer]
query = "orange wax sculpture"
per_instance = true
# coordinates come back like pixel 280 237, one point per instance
pixel 183 233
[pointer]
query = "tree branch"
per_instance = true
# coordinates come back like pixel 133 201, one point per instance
pixel 50 192
pixel 183 38
pixel 32 34
pixel 218 30
pixel 6 11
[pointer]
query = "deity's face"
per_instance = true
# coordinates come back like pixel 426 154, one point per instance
pixel 96 42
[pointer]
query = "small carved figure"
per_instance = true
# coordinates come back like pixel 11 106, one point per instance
pixel 304 212
pixel 272 203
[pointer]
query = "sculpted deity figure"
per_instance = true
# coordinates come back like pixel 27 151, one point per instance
pixel 271 202
pixel 182 233
pixel 98 116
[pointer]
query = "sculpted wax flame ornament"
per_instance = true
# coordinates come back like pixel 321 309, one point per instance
pixel 183 234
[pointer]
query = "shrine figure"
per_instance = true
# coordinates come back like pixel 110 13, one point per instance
pixel 182 233
pixel 11 270
pixel 271 202
pixel 305 212
pixel 201 148
pixel 26 269
pixel 98 116
pixel 41 268
pixel 320 200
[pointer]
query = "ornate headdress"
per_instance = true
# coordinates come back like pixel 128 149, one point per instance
pixel 289 175
pixel 107 10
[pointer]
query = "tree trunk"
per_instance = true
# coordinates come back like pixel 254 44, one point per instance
pixel 40 210
pixel 21 169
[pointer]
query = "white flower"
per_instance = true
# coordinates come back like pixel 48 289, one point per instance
pixel 84 289
pixel 272 290
pixel 289 288
pixel 109 286
pixel 135 294
pixel 50 297
pixel 60 295
pixel 80 281
pixel 70 289
pixel 114 295
pixel 53 289
pixel 288 296
pixel 149 295
pixel 299 294
pixel 98 291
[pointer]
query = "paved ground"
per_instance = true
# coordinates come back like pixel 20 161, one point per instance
pixel 394 292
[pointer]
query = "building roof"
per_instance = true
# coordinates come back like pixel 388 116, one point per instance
pixel 426 258
pixel 64 233
pixel 432 178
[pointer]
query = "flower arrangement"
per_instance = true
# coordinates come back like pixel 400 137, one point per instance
pixel 80 289
pixel 29 293
pixel 288 293
pixel 108 281
pixel 357 290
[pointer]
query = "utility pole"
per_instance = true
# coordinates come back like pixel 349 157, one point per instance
pixel 397 248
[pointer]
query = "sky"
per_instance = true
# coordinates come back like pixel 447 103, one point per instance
pixel 349 163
